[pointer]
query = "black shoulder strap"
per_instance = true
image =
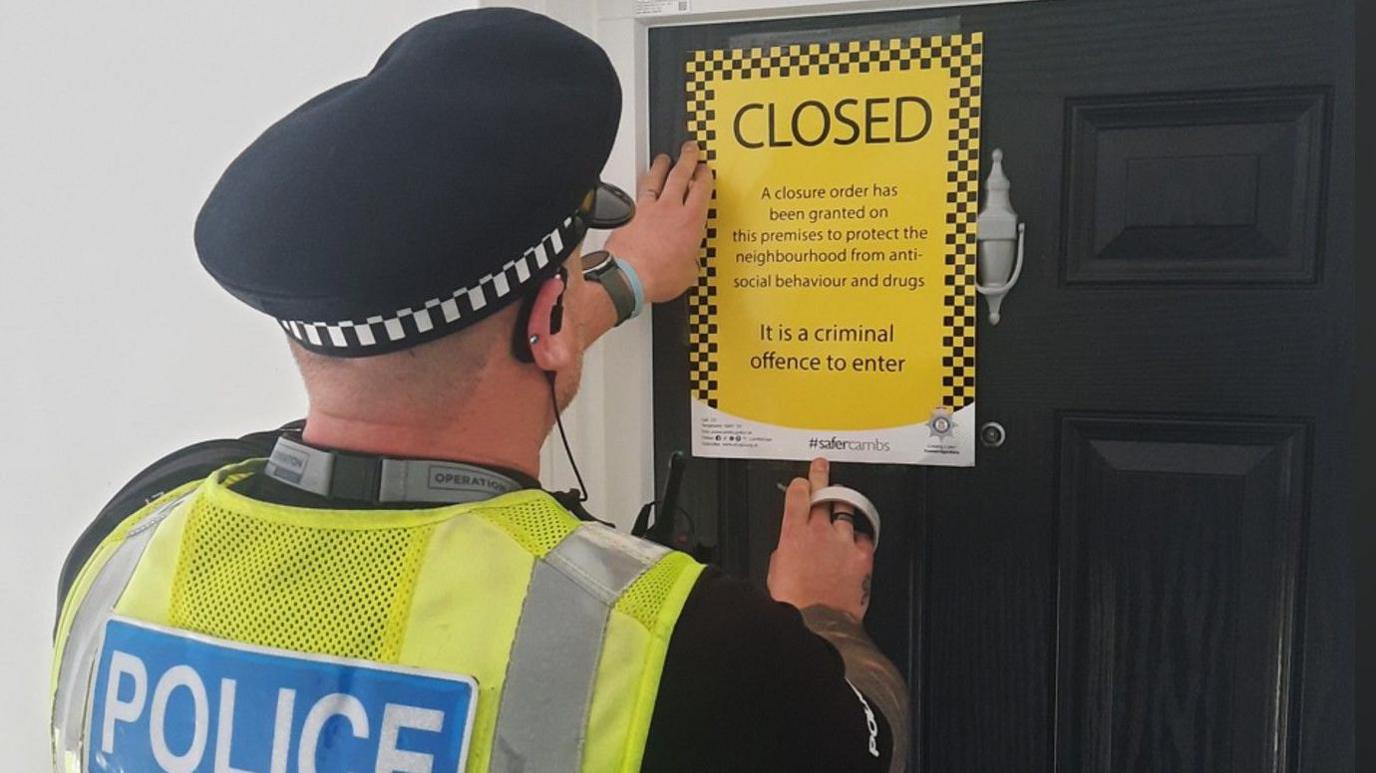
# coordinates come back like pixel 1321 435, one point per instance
pixel 177 468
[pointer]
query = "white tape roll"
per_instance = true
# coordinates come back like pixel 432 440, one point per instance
pixel 855 499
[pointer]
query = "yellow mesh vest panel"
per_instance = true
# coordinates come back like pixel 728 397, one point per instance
pixel 644 600
pixel 324 581
pixel 533 519
pixel 296 587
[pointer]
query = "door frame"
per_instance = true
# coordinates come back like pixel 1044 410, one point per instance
pixel 611 423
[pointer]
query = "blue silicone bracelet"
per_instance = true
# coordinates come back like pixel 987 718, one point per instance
pixel 637 289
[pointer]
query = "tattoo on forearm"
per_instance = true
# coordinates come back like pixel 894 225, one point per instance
pixel 865 590
pixel 868 671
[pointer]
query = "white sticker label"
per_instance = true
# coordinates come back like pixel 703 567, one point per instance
pixel 662 7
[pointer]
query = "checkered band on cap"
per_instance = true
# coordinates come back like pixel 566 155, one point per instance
pixel 432 318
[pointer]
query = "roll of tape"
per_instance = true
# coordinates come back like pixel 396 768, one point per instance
pixel 849 496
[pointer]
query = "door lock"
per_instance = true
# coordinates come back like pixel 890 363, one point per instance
pixel 992 434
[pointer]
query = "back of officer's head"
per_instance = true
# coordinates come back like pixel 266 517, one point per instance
pixel 398 221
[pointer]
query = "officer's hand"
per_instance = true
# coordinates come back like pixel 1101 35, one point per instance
pixel 818 561
pixel 663 240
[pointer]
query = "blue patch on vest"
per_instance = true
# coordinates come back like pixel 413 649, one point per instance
pixel 171 700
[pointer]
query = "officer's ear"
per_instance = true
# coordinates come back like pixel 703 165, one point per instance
pixel 552 342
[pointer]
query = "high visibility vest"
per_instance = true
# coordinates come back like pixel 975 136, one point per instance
pixel 199 633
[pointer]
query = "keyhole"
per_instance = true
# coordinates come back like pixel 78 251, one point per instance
pixel 992 434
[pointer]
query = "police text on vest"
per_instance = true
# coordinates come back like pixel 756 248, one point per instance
pixel 168 700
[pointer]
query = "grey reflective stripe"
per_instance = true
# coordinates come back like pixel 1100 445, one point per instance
pixel 549 678
pixel 548 689
pixel 604 560
pixel 85 636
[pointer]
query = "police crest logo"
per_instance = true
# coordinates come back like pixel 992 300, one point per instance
pixel 175 701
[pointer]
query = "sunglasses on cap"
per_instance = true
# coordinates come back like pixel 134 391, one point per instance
pixel 606 206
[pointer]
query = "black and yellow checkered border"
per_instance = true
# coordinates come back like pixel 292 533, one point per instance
pixel 962 57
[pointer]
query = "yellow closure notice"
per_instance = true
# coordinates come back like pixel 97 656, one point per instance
pixel 837 292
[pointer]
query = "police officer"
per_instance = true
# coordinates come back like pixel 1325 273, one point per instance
pixel 390 589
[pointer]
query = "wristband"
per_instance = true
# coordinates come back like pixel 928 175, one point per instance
pixel 637 288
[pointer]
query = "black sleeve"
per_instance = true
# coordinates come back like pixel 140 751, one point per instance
pixel 747 687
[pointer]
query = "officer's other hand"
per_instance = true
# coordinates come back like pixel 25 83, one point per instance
pixel 819 561
pixel 662 241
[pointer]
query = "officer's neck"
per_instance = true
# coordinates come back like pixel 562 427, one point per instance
pixel 504 430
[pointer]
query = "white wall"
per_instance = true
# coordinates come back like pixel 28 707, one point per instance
pixel 115 120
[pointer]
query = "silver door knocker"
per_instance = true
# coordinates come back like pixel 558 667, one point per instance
pixel 999 237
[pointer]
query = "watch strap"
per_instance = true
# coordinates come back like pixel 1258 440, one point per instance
pixel 623 286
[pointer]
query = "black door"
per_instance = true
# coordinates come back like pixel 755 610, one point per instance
pixel 1150 573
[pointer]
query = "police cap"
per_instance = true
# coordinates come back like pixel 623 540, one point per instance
pixel 425 196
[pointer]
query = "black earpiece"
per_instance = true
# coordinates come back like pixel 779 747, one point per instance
pixel 520 343
pixel 556 314
pixel 520 339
